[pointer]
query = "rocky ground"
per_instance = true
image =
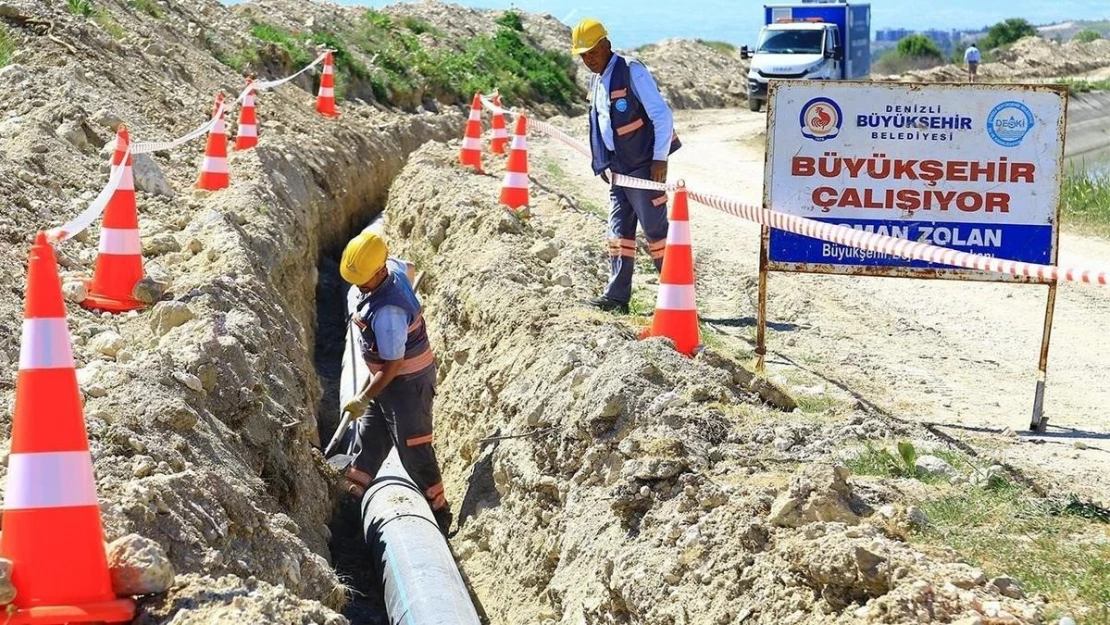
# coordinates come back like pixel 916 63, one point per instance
pixel 604 479
pixel 1029 59
pixel 642 487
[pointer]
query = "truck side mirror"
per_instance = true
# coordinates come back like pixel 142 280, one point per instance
pixel 744 53
pixel 835 53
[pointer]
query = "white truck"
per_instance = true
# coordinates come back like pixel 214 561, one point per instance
pixel 813 39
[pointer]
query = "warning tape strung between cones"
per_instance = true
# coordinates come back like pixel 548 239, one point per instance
pixel 83 220
pixel 835 233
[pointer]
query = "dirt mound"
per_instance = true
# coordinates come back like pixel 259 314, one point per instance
pixel 696 75
pixel 603 479
pixel 1030 58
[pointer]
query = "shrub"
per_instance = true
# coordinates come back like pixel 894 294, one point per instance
pixel 511 20
pixel 1007 32
pixel 1087 36
pixel 147 6
pixel 7 47
pixel 80 7
pixel 918 47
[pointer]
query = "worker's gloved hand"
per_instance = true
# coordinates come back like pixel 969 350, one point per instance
pixel 659 171
pixel 357 405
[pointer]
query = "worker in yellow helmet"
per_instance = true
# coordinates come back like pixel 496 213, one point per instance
pixel 631 133
pixel 395 404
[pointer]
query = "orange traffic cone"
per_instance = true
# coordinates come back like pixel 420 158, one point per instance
pixel 325 100
pixel 52 528
pixel 514 188
pixel 119 266
pixel 676 312
pixel 500 138
pixel 246 136
pixel 471 153
pixel 213 170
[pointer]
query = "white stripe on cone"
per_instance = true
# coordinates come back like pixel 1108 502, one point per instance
pixel 678 233
pixel 471 143
pixel 215 165
pixel 127 180
pixel 120 242
pixel 328 69
pixel 248 102
pixel 515 180
pixel 327 92
pixel 475 115
pixel 249 130
pixel 676 297
pixel 219 128
pixel 500 133
pixel 520 142
pixel 59 479
pixel 45 345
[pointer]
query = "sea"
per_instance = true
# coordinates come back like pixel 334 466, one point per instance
pixel 632 23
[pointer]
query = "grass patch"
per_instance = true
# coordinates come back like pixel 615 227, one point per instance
pixel 80 7
pixel 419 26
pixel 111 26
pixel 150 7
pixel 1046 545
pixel 723 47
pixel 817 404
pixel 880 461
pixel 1086 200
pixel 7 47
pixel 1085 86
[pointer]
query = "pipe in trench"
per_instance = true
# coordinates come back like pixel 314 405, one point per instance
pixel 422 583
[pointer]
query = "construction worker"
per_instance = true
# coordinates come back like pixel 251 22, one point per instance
pixel 395 403
pixel 631 133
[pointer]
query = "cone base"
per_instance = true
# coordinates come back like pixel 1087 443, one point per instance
pixel 329 114
pixel 514 201
pixel 117 611
pixel 245 146
pixel 681 326
pixel 213 182
pixel 98 301
pixel 499 148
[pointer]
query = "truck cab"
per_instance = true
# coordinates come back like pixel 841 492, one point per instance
pixel 793 48
pixel 812 39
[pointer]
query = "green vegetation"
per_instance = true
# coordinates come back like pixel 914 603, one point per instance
pixel 385 58
pixel 879 461
pixel 918 47
pixel 1055 548
pixel 723 47
pixel 1084 86
pixel 1087 36
pixel 111 26
pixel 511 20
pixel 7 47
pixel 150 7
pixel 1085 200
pixel 80 7
pixel 1007 32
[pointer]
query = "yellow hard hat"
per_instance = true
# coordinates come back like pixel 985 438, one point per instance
pixel 363 257
pixel 587 34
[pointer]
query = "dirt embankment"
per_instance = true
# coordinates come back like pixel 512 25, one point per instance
pixel 603 479
pixel 200 410
pixel 694 75
pixel 1028 59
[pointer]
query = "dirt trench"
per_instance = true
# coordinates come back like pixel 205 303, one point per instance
pixel 597 478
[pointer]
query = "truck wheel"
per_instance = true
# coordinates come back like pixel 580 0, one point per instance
pixel 754 105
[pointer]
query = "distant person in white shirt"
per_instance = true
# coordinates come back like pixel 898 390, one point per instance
pixel 971 57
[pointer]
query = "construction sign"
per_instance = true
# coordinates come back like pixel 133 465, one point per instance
pixel 974 168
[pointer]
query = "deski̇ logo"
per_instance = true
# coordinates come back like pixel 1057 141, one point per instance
pixel 1009 122
pixel 820 119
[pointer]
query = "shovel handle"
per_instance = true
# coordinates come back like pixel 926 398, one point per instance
pixel 335 438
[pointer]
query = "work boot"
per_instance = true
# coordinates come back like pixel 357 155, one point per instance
pixel 443 519
pixel 609 305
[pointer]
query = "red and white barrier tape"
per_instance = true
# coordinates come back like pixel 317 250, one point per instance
pixel 96 208
pixel 835 233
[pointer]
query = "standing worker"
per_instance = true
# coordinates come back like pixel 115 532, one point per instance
pixel 971 57
pixel 631 133
pixel 395 403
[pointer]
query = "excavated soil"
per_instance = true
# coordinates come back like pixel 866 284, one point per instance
pixel 602 479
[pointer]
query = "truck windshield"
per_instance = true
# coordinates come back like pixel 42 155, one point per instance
pixel 791 41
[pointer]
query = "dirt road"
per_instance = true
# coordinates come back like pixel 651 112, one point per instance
pixel 959 357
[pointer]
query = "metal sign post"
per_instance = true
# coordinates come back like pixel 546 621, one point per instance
pixel 974 168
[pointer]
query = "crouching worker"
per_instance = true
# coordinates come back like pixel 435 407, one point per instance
pixel 395 404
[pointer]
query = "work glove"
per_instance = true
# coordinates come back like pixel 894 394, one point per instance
pixel 357 405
